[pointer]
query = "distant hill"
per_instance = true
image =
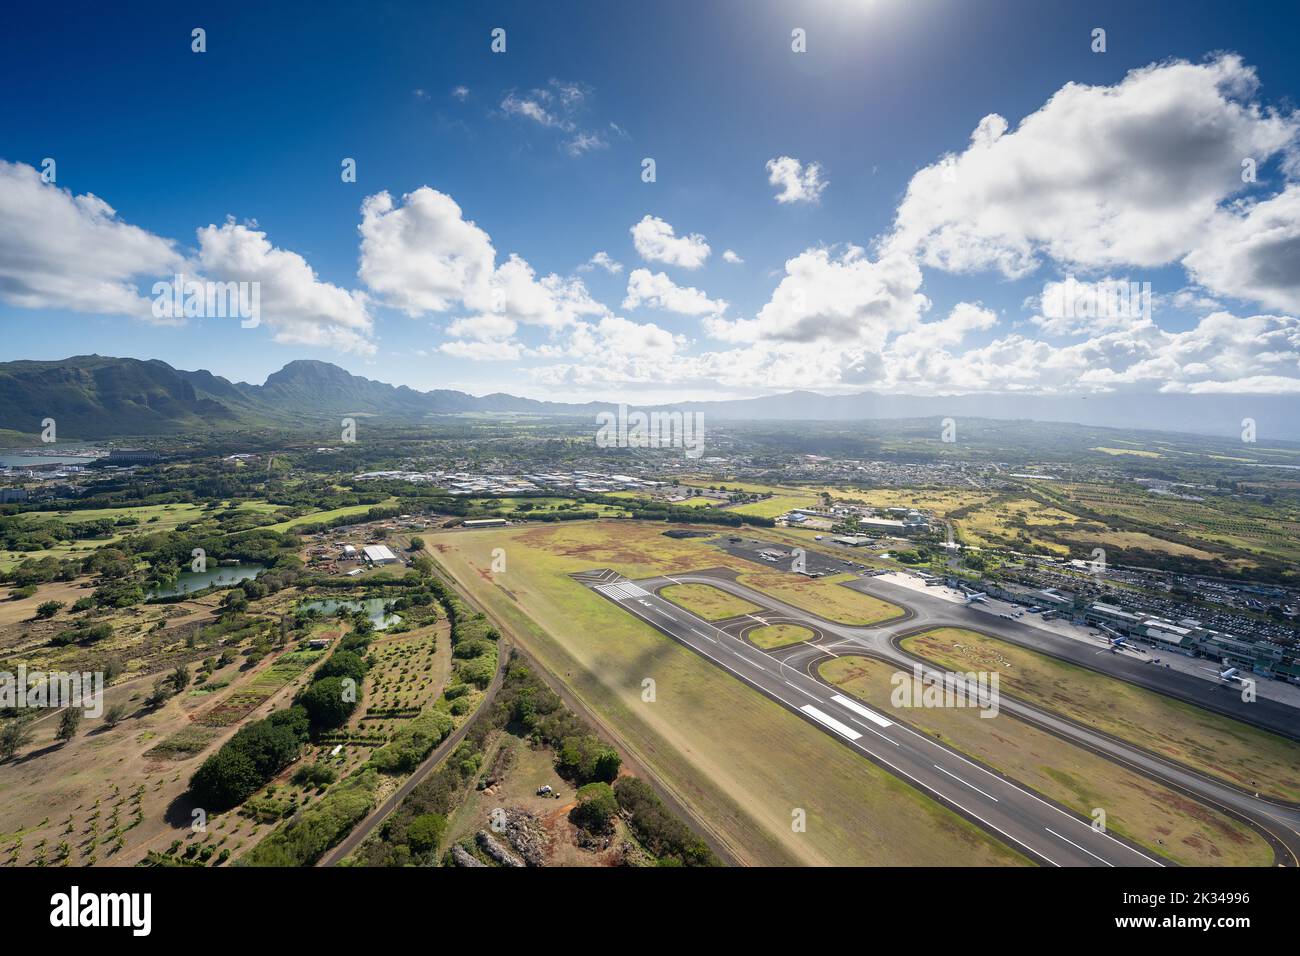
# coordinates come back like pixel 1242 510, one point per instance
pixel 95 397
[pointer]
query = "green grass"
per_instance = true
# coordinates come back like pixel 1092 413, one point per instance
pixel 706 601
pixel 317 517
pixel 778 635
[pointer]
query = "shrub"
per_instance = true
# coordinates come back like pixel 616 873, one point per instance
pixel 425 832
pixel 325 704
pixel 596 809
pixel 587 758
pixel 314 775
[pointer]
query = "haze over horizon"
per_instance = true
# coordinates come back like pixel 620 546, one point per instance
pixel 807 227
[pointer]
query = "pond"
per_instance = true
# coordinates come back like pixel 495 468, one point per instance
pixel 25 461
pixel 376 609
pixel 221 574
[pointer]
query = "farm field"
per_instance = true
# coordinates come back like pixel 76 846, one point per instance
pixel 740 761
pixel 1146 812
pixel 1214 745
pixel 1243 526
pixel 103 797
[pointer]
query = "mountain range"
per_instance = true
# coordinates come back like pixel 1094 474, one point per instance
pixel 97 397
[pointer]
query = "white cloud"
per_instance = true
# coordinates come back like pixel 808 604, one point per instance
pixel 460 92
pixel 295 304
pixel 1071 307
pixel 656 241
pixel 1253 253
pixel 422 256
pixel 730 256
pixel 62 251
pixel 476 351
pixel 798 183
pixel 657 291
pixel 605 261
pixel 1099 176
pixel 483 328
pixel 560 105
pixel 847 299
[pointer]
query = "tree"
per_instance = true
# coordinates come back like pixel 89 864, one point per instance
pixel 225 780
pixel 115 714
pixel 587 758
pixel 343 664
pixel 269 746
pixel 48 609
pixel 417 544
pixel 325 703
pixel 15 735
pixel 425 832
pixel 596 809
pixel 163 691
pixel 180 678
pixel 69 721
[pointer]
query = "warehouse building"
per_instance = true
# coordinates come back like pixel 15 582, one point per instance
pixel 378 554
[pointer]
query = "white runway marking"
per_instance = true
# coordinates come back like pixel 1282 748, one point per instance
pixel 623 591
pixel 844 730
pixel 861 711
pixel 971 785
pixel 1077 847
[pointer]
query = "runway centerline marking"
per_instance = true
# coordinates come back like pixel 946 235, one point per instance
pixel 967 783
pixel 1077 847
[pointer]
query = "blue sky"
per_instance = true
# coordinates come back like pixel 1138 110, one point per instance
pixel 542 148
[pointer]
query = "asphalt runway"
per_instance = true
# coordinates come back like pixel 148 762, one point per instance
pixel 1029 822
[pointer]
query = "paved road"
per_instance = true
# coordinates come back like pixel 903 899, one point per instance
pixel 1040 828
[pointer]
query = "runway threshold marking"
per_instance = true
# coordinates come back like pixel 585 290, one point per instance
pixel 861 711
pixel 844 730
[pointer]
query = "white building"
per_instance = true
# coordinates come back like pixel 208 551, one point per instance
pixel 378 554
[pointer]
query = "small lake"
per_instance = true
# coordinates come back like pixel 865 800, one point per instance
pixel 376 609
pixel 24 461
pixel 221 574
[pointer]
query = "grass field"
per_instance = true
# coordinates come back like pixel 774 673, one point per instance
pixel 1149 814
pixel 777 505
pixel 706 601
pixel 822 596
pixel 1217 746
pixel 741 762
pixel 323 516
pixel 778 635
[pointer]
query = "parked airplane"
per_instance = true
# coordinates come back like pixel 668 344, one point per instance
pixel 1228 675
pixel 976 596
